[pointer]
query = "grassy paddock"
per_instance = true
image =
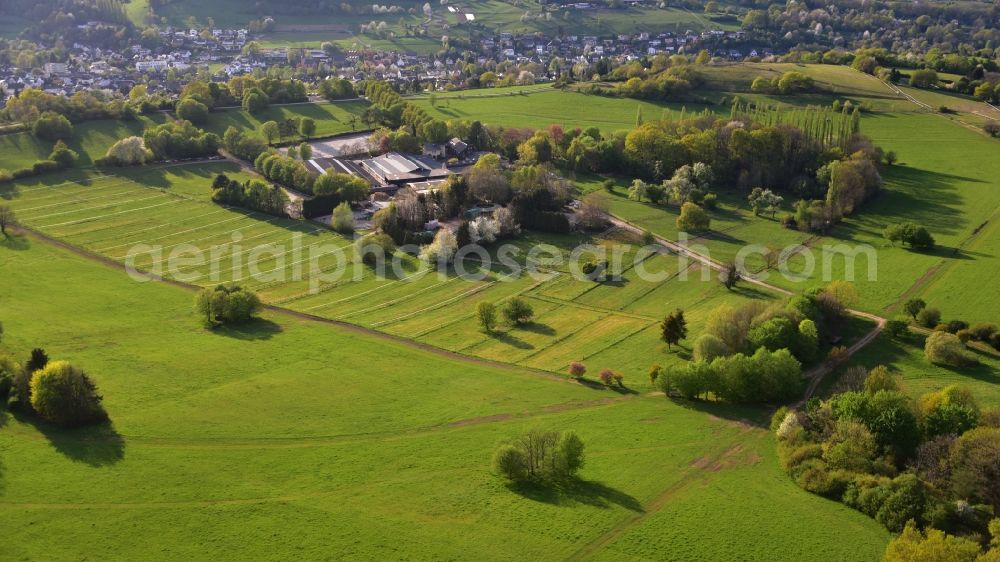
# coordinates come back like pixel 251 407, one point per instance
pixel 141 217
pixel 204 459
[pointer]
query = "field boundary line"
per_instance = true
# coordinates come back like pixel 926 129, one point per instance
pixel 641 329
pixel 147 229
pixel 171 234
pixel 470 315
pixel 554 300
pixel 460 296
pixel 90 219
pixel 102 206
pixel 304 316
pixel 565 336
pixel 61 193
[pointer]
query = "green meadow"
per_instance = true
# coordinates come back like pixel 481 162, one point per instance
pixel 905 356
pixel 540 107
pixel 301 439
pixel 358 416
pixel 330 118
pixel 92 139
pixel 932 184
pixel 147 218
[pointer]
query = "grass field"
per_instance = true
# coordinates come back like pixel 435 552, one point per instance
pixel 933 184
pixel 91 139
pixel 905 356
pixel 491 16
pixel 11 26
pixel 304 267
pixel 298 439
pixel 540 107
pixel 331 118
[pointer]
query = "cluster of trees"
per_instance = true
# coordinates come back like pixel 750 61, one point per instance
pixel 61 157
pixel 607 377
pixel 337 89
pixel 244 144
pixel 253 93
pixel 689 183
pixel 945 348
pixel 850 182
pixel 930 462
pixel 913 235
pixel 791 82
pixel 346 187
pixel 130 151
pixel 252 194
pixel 766 376
pixel 31 104
pixel 286 171
pixel 949 338
pixel 674 83
pixel 540 456
pixel 515 312
pixel 754 352
pixel 179 139
pixel 52 126
pixel 227 304
pixel 948 35
pixel 56 391
pixel 933 544
pixel 815 160
pixel 390 109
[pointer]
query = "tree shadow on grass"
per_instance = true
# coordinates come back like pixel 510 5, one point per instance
pixel 536 328
pixel 511 340
pixel 574 492
pixel 751 291
pixel 95 445
pixel 720 236
pixel 257 329
pixel 980 371
pixel 756 416
pixel 14 241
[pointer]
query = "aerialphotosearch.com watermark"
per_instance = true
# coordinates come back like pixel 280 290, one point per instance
pixel 325 263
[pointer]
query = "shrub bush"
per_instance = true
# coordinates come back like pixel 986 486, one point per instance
pixel 540 456
pixel 896 327
pixel 9 370
pixel 63 155
pixel 929 317
pixel 375 248
pixel 342 219
pixel 983 331
pixel 52 126
pixel 947 349
pixel 64 395
pixel 517 311
pixel 227 304
pixel 45 166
